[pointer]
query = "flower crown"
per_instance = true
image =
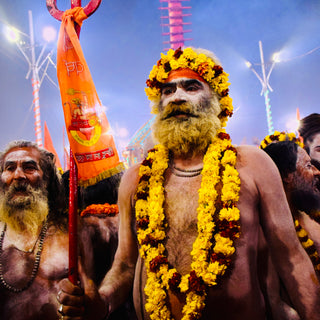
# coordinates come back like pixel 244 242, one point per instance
pixel 211 72
pixel 278 136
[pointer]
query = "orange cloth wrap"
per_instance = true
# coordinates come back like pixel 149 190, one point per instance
pixel 86 123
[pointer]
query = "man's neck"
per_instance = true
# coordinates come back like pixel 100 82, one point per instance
pixel 23 240
pixel 195 162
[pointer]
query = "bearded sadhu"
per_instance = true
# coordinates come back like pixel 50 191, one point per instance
pixel 34 236
pixel 192 211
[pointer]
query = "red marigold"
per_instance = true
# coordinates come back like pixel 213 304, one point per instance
pixel 175 281
pixel 203 68
pixel 144 177
pixel 142 195
pixel 221 258
pixel 196 283
pixel 147 163
pixel 217 70
pixel 142 223
pixel 156 262
pixel 224 93
pixel 223 136
pixel 178 53
pixel 150 240
pixel 226 113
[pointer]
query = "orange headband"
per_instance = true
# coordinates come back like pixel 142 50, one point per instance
pixel 184 73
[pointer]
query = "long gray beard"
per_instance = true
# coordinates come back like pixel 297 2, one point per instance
pixel 189 136
pixel 27 212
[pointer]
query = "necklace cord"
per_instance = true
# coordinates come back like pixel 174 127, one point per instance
pixel 35 269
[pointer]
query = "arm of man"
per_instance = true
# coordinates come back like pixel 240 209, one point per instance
pixel 94 304
pixel 290 259
pixel 118 282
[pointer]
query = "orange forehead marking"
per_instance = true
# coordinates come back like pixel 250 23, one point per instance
pixel 184 73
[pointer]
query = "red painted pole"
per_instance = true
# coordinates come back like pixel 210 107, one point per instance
pixel 89 9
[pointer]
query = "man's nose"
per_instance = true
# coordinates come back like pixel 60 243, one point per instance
pixel 179 96
pixel 19 174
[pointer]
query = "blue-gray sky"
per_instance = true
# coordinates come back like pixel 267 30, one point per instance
pixel 122 40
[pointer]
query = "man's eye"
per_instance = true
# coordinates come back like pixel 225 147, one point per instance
pixel 167 91
pixel 10 168
pixel 192 88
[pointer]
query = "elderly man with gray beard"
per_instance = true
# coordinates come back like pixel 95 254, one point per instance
pixel 192 211
pixel 34 236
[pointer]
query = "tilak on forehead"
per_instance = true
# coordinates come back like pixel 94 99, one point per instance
pixel 188 63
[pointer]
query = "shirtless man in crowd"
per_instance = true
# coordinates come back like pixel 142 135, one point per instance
pixel 34 235
pixel 190 214
pixel 301 181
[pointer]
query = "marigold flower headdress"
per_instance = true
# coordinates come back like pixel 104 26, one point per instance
pixel 278 136
pixel 204 66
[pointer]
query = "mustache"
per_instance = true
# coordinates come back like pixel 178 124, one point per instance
pixel 19 186
pixel 174 109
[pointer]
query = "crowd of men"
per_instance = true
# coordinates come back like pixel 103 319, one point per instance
pixel 198 219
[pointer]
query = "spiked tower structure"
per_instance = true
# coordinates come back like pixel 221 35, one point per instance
pixel 172 23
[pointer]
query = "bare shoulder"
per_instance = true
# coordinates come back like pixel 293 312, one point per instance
pixel 130 177
pixel 254 159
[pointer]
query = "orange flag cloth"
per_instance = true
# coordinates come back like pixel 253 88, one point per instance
pixel 87 125
pixel 48 145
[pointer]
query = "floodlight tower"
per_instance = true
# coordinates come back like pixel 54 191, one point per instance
pixel 35 64
pixel 264 80
pixel 175 23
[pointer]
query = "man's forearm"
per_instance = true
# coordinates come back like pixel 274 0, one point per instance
pixel 117 285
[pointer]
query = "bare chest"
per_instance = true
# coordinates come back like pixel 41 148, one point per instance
pixel 46 263
pixel 181 213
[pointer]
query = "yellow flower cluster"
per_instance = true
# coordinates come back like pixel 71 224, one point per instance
pixel 150 208
pixel 212 73
pixel 278 136
pixel 308 245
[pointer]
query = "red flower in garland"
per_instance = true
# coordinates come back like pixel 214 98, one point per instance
pixel 196 283
pixel 224 93
pixel 147 163
pixel 225 113
pixel 175 281
pixel 142 223
pixel 229 229
pixel 223 136
pixel 218 70
pixel 156 262
pixel 221 258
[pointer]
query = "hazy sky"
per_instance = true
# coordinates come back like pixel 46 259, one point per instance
pixel 122 40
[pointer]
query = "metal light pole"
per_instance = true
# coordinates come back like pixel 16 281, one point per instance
pixel 34 66
pixel 264 80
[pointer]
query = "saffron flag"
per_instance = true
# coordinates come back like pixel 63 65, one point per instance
pixel 87 126
pixel 48 145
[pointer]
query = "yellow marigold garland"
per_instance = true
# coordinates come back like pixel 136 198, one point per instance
pixel 308 245
pixel 218 227
pixel 278 136
pixel 212 73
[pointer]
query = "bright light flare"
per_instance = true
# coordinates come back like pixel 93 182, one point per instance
pixel 248 64
pixel 49 34
pixel 292 124
pixel 276 57
pixel 11 33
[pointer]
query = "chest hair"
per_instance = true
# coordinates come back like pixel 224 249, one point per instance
pixel 181 213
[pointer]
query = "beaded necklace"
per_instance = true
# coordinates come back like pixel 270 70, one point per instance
pixel 35 269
